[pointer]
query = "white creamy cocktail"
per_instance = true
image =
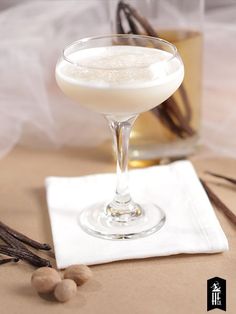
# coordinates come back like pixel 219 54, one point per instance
pixel 120 80
pixel 120 76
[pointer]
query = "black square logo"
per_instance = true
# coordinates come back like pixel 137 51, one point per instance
pixel 216 294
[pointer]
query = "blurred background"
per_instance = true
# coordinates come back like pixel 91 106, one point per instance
pixel 34 113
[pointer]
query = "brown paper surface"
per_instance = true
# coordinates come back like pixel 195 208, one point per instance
pixel 164 285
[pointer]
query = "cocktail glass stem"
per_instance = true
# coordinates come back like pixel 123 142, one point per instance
pixel 122 208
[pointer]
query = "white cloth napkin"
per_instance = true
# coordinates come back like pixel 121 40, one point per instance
pixel 191 225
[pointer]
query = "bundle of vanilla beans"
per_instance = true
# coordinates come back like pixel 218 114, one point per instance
pixel 130 21
pixel 15 246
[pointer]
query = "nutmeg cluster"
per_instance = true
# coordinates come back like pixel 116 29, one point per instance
pixel 48 280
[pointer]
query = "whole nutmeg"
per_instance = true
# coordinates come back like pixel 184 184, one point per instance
pixel 45 279
pixel 65 290
pixel 79 273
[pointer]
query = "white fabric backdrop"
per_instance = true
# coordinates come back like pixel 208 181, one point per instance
pixel 34 112
pixel 32 109
pixel 219 113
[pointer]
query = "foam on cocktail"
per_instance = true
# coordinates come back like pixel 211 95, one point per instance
pixel 120 80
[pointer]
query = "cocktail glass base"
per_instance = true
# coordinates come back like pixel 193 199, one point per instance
pixel 97 222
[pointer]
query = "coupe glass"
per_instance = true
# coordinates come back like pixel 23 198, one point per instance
pixel 120 76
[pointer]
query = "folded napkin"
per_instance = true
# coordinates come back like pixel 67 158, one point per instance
pixel 191 224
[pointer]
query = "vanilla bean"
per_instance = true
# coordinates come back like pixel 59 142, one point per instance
pixel 21 250
pixel 170 114
pixel 119 26
pixel 186 102
pixel 24 255
pixel 10 240
pixel 23 238
pixel 166 119
pixel 141 19
pixel 132 24
pixel 218 203
pixel 229 179
pixel 9 260
pixel 175 111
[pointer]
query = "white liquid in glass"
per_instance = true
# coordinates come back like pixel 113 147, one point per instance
pixel 120 80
